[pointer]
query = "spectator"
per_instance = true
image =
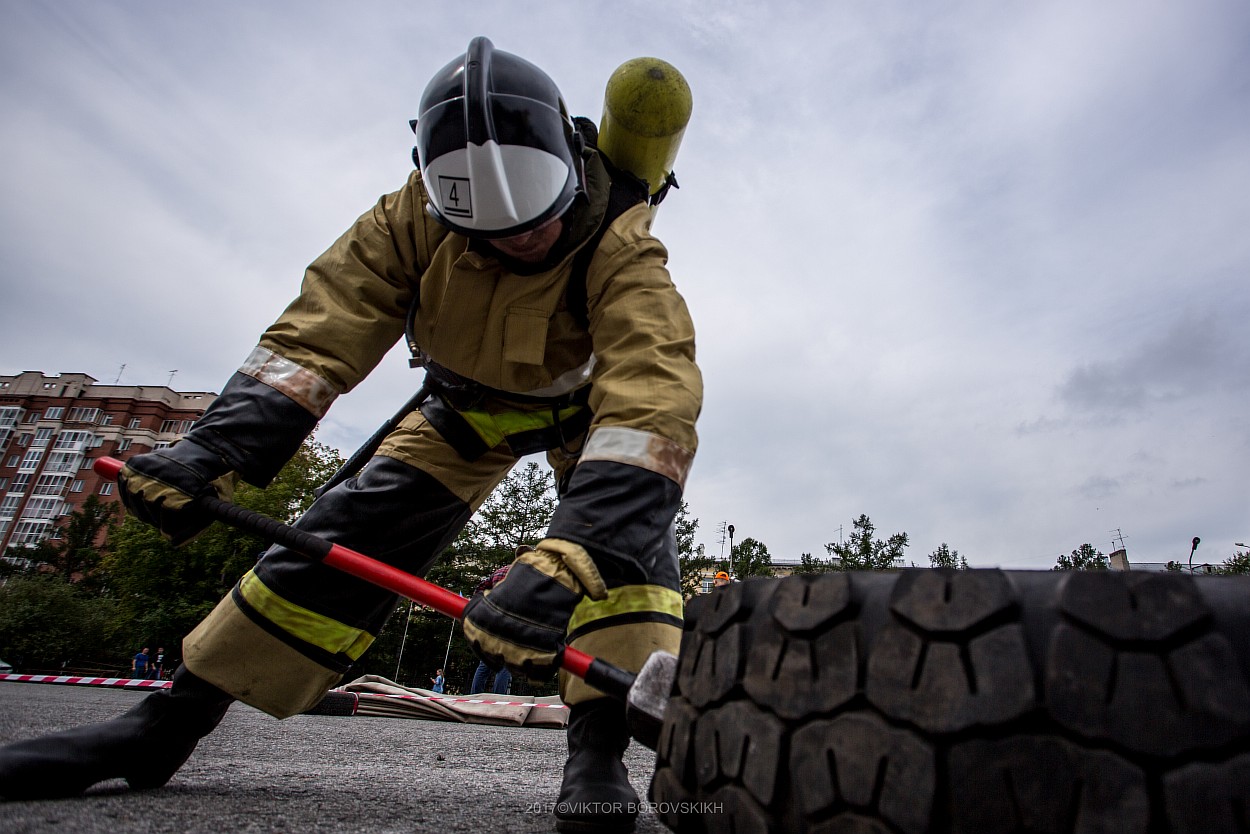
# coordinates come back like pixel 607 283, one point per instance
pixel 722 579
pixel 439 682
pixel 503 678
pixel 139 664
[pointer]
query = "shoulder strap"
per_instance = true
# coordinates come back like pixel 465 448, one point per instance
pixel 626 192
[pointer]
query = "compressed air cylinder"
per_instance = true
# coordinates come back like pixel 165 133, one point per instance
pixel 646 108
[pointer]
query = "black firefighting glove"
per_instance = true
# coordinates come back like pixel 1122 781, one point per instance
pixel 161 488
pixel 521 622
pixel 248 432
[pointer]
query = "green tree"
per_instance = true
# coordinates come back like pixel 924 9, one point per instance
pixel 75 555
pixel 162 592
pixel 1084 557
pixel 810 564
pixel 517 512
pixel 692 558
pixel 944 557
pixel 47 624
pixel 1238 563
pixel 862 551
pixel 748 558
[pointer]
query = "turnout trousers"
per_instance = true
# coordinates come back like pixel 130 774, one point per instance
pixel 291 628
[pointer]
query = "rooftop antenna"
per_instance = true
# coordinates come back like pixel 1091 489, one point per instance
pixel 119 374
pixel 172 373
pixel 1118 536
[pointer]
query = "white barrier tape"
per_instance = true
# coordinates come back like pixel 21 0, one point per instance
pixel 75 680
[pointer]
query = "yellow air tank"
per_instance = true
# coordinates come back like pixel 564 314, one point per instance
pixel 646 108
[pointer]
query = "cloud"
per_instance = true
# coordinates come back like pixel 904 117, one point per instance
pixel 1194 356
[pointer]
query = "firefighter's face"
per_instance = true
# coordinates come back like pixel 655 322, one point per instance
pixel 532 246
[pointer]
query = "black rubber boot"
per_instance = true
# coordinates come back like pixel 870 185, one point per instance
pixel 595 796
pixel 145 745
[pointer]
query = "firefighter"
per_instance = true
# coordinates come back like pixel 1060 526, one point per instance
pixel 522 269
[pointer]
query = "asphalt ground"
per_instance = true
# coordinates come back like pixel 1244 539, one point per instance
pixel 310 774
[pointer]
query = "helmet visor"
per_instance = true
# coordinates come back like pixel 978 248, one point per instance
pixel 520 175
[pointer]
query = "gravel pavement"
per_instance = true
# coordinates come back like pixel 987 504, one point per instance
pixel 310 774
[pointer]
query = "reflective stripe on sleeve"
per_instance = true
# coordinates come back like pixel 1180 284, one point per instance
pixel 309 626
pixel 296 382
pixel 639 448
pixel 651 601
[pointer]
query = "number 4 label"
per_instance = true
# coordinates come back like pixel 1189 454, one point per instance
pixel 456 196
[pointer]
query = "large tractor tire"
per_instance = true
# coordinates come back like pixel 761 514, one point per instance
pixel 979 701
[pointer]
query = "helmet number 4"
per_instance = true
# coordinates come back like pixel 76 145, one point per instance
pixel 455 196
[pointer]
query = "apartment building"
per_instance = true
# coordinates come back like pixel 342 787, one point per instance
pixel 53 427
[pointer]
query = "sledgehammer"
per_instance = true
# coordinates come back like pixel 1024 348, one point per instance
pixel 645 694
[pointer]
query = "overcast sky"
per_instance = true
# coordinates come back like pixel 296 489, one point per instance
pixel 977 270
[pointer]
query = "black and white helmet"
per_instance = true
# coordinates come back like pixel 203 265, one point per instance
pixel 496 147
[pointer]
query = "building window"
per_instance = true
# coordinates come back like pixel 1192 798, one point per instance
pixel 176 426
pixel 48 386
pixel 63 462
pixel 162 444
pixel 106 489
pixel 124 444
pixel 42 508
pixel 42 436
pixel 4 484
pixel 106 420
pixel 135 422
pixel 8 507
pixel 73 440
pixel 32 417
pixel 83 415
pixel 54 413
pixel 13 460
pixel 29 532
pixel 76 486
pixel 20 482
pixel 31 461
pixel 23 440
pixel 50 485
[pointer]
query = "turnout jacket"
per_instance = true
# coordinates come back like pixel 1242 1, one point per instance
pixel 509 327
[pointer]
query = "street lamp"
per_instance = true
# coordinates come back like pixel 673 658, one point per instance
pixel 1192 548
pixel 731 549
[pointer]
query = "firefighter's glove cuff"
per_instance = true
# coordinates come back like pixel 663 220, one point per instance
pixel 522 621
pixel 161 488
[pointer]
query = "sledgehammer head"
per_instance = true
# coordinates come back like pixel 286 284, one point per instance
pixel 648 697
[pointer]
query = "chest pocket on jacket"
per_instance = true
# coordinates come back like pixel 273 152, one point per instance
pixel 525 336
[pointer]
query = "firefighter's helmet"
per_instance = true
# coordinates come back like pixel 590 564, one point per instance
pixel 495 144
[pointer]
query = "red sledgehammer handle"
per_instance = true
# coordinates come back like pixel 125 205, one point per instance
pixel 600 674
